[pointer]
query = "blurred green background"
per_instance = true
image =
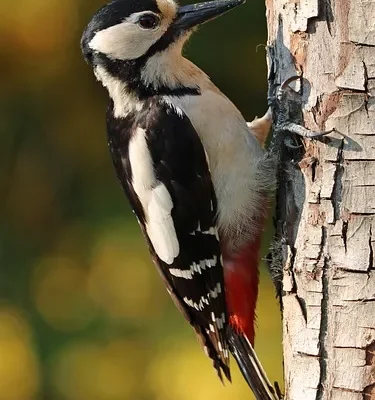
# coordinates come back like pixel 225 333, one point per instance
pixel 83 313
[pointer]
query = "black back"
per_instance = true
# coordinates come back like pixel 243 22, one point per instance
pixel 180 164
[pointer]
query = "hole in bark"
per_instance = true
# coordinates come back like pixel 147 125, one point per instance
pixel 369 391
pixel 313 169
pixel 370 354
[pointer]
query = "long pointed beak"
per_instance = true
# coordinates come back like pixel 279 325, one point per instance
pixel 196 14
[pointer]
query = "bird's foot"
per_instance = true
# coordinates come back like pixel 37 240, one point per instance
pixel 285 105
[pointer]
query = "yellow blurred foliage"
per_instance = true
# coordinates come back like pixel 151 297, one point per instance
pixel 58 238
pixel 31 201
pixel 73 146
pixel 34 40
pixel 60 295
pixel 69 242
pixel 32 36
pixel 19 369
pixel 268 328
pixel 90 371
pixel 122 277
pixel 120 281
pixel 182 371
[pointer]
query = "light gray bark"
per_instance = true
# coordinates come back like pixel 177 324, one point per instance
pixel 326 199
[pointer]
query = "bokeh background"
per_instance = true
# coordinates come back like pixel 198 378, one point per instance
pixel 83 313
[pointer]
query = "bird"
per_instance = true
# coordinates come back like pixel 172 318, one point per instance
pixel 195 173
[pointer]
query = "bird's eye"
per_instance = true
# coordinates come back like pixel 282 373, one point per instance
pixel 148 21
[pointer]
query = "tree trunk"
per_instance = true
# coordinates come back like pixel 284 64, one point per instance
pixel 325 228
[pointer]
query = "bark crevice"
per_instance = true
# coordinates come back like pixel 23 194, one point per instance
pixel 325 212
pixel 323 354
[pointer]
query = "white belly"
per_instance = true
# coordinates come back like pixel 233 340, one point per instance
pixel 236 161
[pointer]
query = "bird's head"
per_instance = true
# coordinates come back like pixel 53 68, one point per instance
pixel 124 35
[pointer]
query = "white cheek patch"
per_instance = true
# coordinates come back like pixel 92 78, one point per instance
pixel 125 41
pixel 155 199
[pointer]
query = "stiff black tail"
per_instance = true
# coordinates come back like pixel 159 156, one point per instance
pixel 251 367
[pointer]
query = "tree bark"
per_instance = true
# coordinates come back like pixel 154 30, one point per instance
pixel 325 228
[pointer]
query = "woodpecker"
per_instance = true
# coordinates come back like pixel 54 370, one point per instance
pixel 195 173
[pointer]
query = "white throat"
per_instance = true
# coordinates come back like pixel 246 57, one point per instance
pixel 123 101
pixel 170 69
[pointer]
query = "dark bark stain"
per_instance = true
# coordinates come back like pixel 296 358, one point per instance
pixel 371 255
pixel 325 13
pixel 344 233
pixel 369 391
pixel 323 355
pixel 337 187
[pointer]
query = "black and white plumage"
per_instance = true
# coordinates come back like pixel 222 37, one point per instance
pixel 194 172
pixel 163 169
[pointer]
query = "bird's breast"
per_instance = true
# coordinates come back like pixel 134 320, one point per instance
pixel 234 156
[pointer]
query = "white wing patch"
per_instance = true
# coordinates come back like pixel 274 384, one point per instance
pixel 155 199
pixel 160 226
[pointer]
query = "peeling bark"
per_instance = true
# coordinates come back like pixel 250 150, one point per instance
pixel 326 198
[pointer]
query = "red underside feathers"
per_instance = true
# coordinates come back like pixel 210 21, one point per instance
pixel 241 274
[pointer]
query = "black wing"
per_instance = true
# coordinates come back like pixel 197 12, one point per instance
pixel 194 276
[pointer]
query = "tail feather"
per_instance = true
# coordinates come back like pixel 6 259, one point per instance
pixel 251 367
